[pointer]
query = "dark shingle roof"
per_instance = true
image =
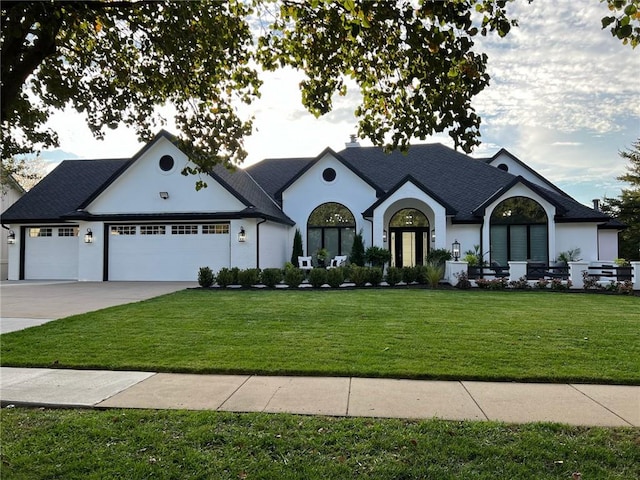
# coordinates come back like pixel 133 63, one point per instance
pixel 274 173
pixel 244 187
pixel 61 192
pixel 459 180
pixel 74 183
pixel 461 183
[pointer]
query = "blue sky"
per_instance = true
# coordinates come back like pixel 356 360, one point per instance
pixel 564 98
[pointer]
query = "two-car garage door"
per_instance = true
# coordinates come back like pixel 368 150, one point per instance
pixel 161 252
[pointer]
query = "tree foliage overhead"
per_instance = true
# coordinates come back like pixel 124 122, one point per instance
pixel 413 63
pixel 626 207
pixel 624 21
pixel 117 61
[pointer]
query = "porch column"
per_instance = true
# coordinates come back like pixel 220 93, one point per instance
pixel 517 270
pixel 575 274
pixel 635 275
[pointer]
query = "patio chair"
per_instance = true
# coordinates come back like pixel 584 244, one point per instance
pixel 499 270
pixel 337 261
pixel 304 263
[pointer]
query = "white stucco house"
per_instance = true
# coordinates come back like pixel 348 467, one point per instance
pixel 141 219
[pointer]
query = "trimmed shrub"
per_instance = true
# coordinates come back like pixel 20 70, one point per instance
pixel 271 277
pixel 249 277
pixel 421 274
pixel 394 275
pixel 293 277
pixel 318 277
pixel 335 276
pixel 409 274
pixel 205 277
pixel 234 276
pixel 359 275
pixel 225 277
pixel 374 276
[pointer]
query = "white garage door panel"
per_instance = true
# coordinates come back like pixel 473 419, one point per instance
pixel 166 257
pixel 51 258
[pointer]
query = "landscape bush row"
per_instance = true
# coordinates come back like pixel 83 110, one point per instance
pixel 429 274
pixel 359 276
pixel 590 283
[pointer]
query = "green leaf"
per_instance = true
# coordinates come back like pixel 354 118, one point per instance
pixel 606 21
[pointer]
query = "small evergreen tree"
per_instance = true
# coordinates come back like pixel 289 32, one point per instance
pixel 357 250
pixel 297 247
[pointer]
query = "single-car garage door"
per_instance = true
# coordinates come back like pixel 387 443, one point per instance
pixel 160 252
pixel 51 253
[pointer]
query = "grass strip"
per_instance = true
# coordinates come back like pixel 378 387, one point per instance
pixel 401 333
pixel 90 444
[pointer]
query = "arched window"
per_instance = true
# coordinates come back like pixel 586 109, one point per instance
pixel 409 217
pixel 331 226
pixel 519 231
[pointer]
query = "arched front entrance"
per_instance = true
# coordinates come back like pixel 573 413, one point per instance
pixel 409 238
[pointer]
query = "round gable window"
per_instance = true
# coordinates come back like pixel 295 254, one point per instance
pixel 503 167
pixel 329 175
pixel 166 163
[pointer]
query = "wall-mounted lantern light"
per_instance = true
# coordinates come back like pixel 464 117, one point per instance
pixel 164 195
pixel 242 235
pixel 11 237
pixel 88 237
pixel 384 235
pixel 455 249
pixel 433 236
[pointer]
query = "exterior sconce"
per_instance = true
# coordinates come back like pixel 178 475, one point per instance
pixel 164 195
pixel 455 249
pixel 384 235
pixel 11 237
pixel 88 237
pixel 242 235
pixel 433 236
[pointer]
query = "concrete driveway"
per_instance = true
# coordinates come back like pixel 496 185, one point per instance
pixel 28 303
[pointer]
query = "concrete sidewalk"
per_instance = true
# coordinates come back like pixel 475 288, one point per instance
pixel 575 404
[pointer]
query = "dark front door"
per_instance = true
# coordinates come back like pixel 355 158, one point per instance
pixel 409 246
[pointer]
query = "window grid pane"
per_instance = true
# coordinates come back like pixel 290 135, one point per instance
pixel 40 232
pixel 184 229
pixel 152 229
pixel 68 231
pixel 216 229
pixel 123 229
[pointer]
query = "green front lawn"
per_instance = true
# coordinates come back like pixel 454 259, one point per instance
pixel 410 333
pixel 89 444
